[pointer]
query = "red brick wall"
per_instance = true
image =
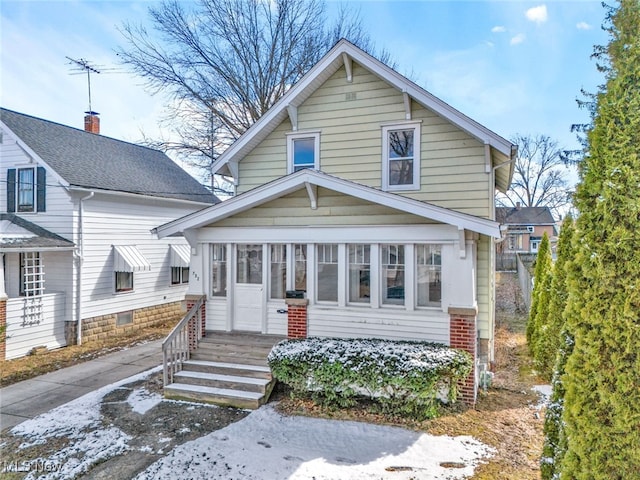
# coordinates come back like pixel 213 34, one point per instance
pixel 199 317
pixel 3 329
pixel 462 335
pixel 296 318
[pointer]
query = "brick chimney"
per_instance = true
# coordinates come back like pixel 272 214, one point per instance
pixel 92 122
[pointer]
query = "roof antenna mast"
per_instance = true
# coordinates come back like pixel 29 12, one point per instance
pixel 81 66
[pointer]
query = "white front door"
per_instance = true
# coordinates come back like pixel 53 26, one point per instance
pixel 248 289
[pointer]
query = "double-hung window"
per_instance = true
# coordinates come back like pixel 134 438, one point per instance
pixel 179 275
pixel 219 270
pixel 327 272
pixel 401 157
pixel 303 151
pixel 278 270
pixel 26 190
pixel 428 275
pixel 359 283
pixel 392 270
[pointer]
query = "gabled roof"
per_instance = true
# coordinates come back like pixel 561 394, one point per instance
pixel 88 160
pixel 503 151
pixel 18 234
pixel 308 178
pixel 524 216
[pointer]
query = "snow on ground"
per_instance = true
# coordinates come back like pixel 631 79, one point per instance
pixel 267 445
pixel 544 391
pixel 79 421
pixel 142 400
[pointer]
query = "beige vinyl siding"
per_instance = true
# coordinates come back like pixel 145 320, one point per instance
pixel 333 209
pixel 349 117
pixel 485 270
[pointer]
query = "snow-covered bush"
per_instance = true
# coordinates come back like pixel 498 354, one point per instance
pixel 410 378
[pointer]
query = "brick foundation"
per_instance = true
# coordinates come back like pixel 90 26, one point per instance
pixel 104 326
pixel 297 317
pixel 3 328
pixel 463 335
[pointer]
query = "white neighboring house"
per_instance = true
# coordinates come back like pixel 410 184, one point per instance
pixel 78 260
pixel 370 200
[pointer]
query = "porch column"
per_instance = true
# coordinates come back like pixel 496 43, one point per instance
pixel 297 317
pixel 3 311
pixel 462 335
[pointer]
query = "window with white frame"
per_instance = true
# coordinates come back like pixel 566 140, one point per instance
pixel 249 264
pixel 401 157
pixel 327 272
pixel 392 270
pixel 303 151
pixel 428 275
pixel 300 267
pixel 219 270
pixel 179 275
pixel 278 267
pixel 359 283
pixel 124 281
pixel 26 190
pixel 31 274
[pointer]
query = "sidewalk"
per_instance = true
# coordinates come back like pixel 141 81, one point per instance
pixel 28 399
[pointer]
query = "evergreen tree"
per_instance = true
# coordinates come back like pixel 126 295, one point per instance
pixel 540 294
pixel 602 379
pixel 560 342
pixel 550 311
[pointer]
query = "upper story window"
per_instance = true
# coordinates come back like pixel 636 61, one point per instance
pixel 401 157
pixel 303 151
pixel 26 189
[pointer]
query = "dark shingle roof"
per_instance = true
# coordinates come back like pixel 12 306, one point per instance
pixel 524 216
pixel 94 161
pixel 42 239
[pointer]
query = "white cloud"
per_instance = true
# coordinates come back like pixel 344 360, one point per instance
pixel 537 14
pixel 519 38
pixel 498 29
pixel 583 26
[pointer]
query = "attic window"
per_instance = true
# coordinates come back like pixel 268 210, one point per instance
pixel 401 157
pixel 303 151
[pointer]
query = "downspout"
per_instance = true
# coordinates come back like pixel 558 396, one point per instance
pixel 79 254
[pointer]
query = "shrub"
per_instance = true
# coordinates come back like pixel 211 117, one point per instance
pixel 402 377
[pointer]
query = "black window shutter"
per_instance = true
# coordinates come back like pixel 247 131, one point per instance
pixel 41 192
pixel 11 190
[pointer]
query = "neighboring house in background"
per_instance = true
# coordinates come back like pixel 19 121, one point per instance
pixel 76 247
pixel 523 228
pixel 371 199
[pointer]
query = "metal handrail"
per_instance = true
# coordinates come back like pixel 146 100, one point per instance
pixel 175 348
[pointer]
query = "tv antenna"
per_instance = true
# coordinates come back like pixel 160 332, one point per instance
pixel 82 66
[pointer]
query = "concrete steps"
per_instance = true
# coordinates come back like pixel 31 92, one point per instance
pixel 226 369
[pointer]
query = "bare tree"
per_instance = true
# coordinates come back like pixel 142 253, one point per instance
pixel 224 63
pixel 540 175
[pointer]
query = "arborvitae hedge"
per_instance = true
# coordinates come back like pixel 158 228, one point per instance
pixel 540 294
pixel 560 342
pixel 551 322
pixel 602 379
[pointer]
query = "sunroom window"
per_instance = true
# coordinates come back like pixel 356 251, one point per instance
pixel 401 157
pixel 278 270
pixel 392 270
pixel 219 270
pixel 327 272
pixel 429 271
pixel 359 273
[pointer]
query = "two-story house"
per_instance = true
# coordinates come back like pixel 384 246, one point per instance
pixel 368 197
pixel 78 260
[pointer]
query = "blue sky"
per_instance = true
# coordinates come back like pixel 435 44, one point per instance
pixel 515 67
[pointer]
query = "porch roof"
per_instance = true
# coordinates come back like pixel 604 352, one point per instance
pixel 310 179
pixel 20 235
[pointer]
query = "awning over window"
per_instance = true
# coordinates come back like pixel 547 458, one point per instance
pixel 180 256
pixel 127 258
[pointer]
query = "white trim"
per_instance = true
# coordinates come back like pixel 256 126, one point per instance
pixel 291 183
pixel 415 184
pixel 292 137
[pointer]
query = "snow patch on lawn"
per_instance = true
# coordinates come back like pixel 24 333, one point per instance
pixel 142 400
pixel 544 391
pixel 267 445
